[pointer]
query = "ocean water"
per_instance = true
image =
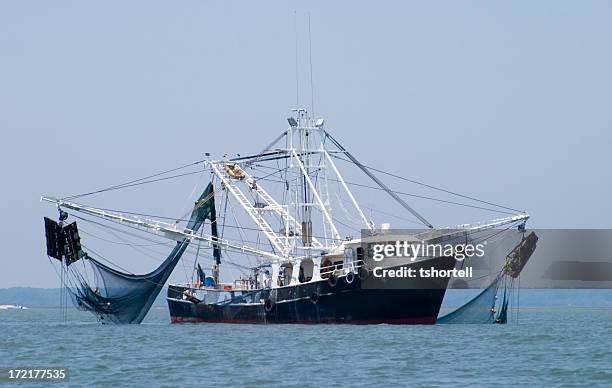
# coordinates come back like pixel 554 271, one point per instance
pixel 548 347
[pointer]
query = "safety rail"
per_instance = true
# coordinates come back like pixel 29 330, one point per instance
pixel 340 269
pixel 245 284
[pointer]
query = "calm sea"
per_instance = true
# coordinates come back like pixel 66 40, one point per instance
pixel 549 347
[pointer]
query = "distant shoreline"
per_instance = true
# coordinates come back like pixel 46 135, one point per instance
pixel 46 297
pixel 587 298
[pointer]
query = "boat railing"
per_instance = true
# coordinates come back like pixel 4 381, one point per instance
pixel 245 284
pixel 341 268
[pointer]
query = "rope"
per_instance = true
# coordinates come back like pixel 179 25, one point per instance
pixel 430 186
pixel 403 193
pixel 139 181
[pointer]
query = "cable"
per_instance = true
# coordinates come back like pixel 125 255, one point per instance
pixel 132 182
pixel 406 194
pixel 81 230
pixel 430 186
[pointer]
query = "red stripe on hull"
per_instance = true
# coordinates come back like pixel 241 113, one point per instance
pixel 411 321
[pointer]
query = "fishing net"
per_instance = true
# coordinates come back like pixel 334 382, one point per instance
pixel 481 309
pixel 118 297
pixel 486 306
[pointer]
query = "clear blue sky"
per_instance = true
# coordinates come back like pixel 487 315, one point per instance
pixel 508 101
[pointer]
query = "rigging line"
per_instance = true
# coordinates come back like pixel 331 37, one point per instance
pixel 404 193
pixel 478 278
pixel 107 260
pixel 265 153
pixel 72 213
pixel 132 185
pixel 275 217
pixel 241 268
pixel 518 298
pixel 152 254
pixel 85 270
pixel 224 213
pixel 344 209
pixel 371 208
pixel 136 180
pixel 197 256
pixel 143 214
pixel 140 250
pixel 198 204
pixel 182 260
pixel 121 268
pixel 70 282
pixel 154 234
pixel 431 198
pixel 230 264
pixel 195 186
pixel 170 242
pixel 274 155
pixel 126 232
pixel 119 242
pixel 54 266
pixel 279 171
pixel 115 228
pixel 352 228
pixel 411 195
pixel 380 183
pixel 267 175
pixel 241 232
pixel 137 247
pixel 210 257
pixel 259 230
pixel 497 233
pixel 430 186
pixel 284 202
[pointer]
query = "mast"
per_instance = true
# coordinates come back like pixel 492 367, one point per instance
pixel 306 178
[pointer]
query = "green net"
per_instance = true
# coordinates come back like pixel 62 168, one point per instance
pixel 481 309
pixel 118 297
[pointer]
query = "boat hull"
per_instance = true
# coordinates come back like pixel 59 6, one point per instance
pixel 320 302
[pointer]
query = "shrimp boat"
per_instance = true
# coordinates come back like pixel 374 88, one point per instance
pixel 272 217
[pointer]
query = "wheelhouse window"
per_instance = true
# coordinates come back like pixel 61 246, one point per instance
pixel 306 270
pixel 285 274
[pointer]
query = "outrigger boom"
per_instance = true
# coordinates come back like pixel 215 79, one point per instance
pixel 161 228
pixel 172 232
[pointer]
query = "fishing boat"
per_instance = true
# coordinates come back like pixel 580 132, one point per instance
pixel 277 210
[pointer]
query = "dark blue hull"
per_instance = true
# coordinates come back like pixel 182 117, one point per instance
pixel 320 302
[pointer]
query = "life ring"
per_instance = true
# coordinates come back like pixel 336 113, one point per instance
pixel 364 273
pixel 332 280
pixel 350 277
pixel 269 305
pixel 314 297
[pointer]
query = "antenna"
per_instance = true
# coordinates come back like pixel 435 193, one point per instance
pixel 312 112
pixel 297 79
